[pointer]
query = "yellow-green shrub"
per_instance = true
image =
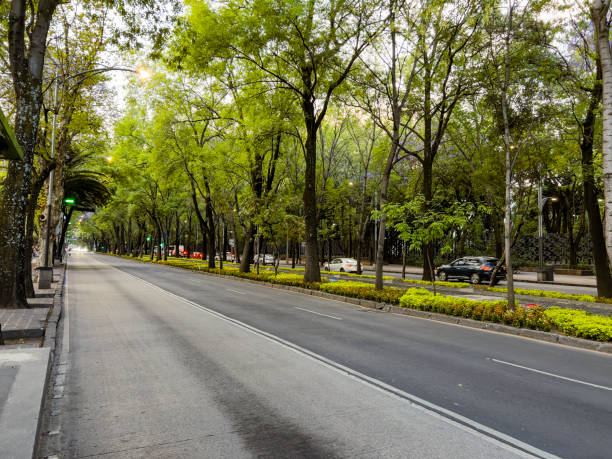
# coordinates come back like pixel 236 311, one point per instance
pixel 581 323
pixel 492 311
pixel 363 290
pixel 549 294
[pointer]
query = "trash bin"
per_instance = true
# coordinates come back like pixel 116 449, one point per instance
pixel 547 274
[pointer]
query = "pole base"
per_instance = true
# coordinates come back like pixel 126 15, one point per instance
pixel 45 277
pixel 546 275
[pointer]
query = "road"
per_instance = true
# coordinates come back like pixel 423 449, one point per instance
pixel 168 363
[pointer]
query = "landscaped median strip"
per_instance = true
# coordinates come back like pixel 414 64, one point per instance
pixel 570 322
pixel 548 294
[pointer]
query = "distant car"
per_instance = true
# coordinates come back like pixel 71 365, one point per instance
pixel 266 259
pixel 343 265
pixel 474 269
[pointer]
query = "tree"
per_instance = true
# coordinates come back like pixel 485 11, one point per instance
pixel 307 48
pixel 27 37
pixel 432 226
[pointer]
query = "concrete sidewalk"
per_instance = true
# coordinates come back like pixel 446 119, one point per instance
pixel 25 360
pixel 23 375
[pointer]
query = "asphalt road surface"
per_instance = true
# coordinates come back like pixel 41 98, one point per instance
pixel 168 363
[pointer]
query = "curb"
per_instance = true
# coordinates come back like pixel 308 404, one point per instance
pixel 50 334
pixel 565 284
pixel 55 314
pixel 549 337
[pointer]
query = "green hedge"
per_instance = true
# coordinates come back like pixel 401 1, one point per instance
pixel 581 324
pixel 363 290
pixel 549 294
pixel 490 311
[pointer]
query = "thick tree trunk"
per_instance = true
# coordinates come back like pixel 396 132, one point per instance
pixel 210 227
pixel 599 13
pixel 602 262
pixel 29 235
pixel 428 158
pixel 247 251
pixel 428 264
pixel 384 188
pixel 312 272
pixel 13 203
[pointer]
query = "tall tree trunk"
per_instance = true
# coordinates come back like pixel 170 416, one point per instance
pixel 509 162
pixel 247 251
pixel 312 272
pixel 210 227
pixel 428 264
pixel 29 234
pixel 428 158
pixel 384 188
pixel 599 14
pixel 177 235
pixel 602 262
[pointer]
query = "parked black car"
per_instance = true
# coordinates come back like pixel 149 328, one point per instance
pixel 474 269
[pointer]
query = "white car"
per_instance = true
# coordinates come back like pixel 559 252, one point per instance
pixel 266 259
pixel 344 265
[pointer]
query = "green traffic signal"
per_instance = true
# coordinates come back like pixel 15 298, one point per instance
pixel 69 201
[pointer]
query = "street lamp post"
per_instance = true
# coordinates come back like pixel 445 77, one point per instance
pixel 543 275
pixel 45 272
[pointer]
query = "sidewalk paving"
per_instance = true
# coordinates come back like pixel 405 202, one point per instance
pixel 24 366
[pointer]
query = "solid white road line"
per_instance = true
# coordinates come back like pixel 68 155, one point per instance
pixel 318 313
pixel 236 291
pixel 553 375
pixel 481 431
